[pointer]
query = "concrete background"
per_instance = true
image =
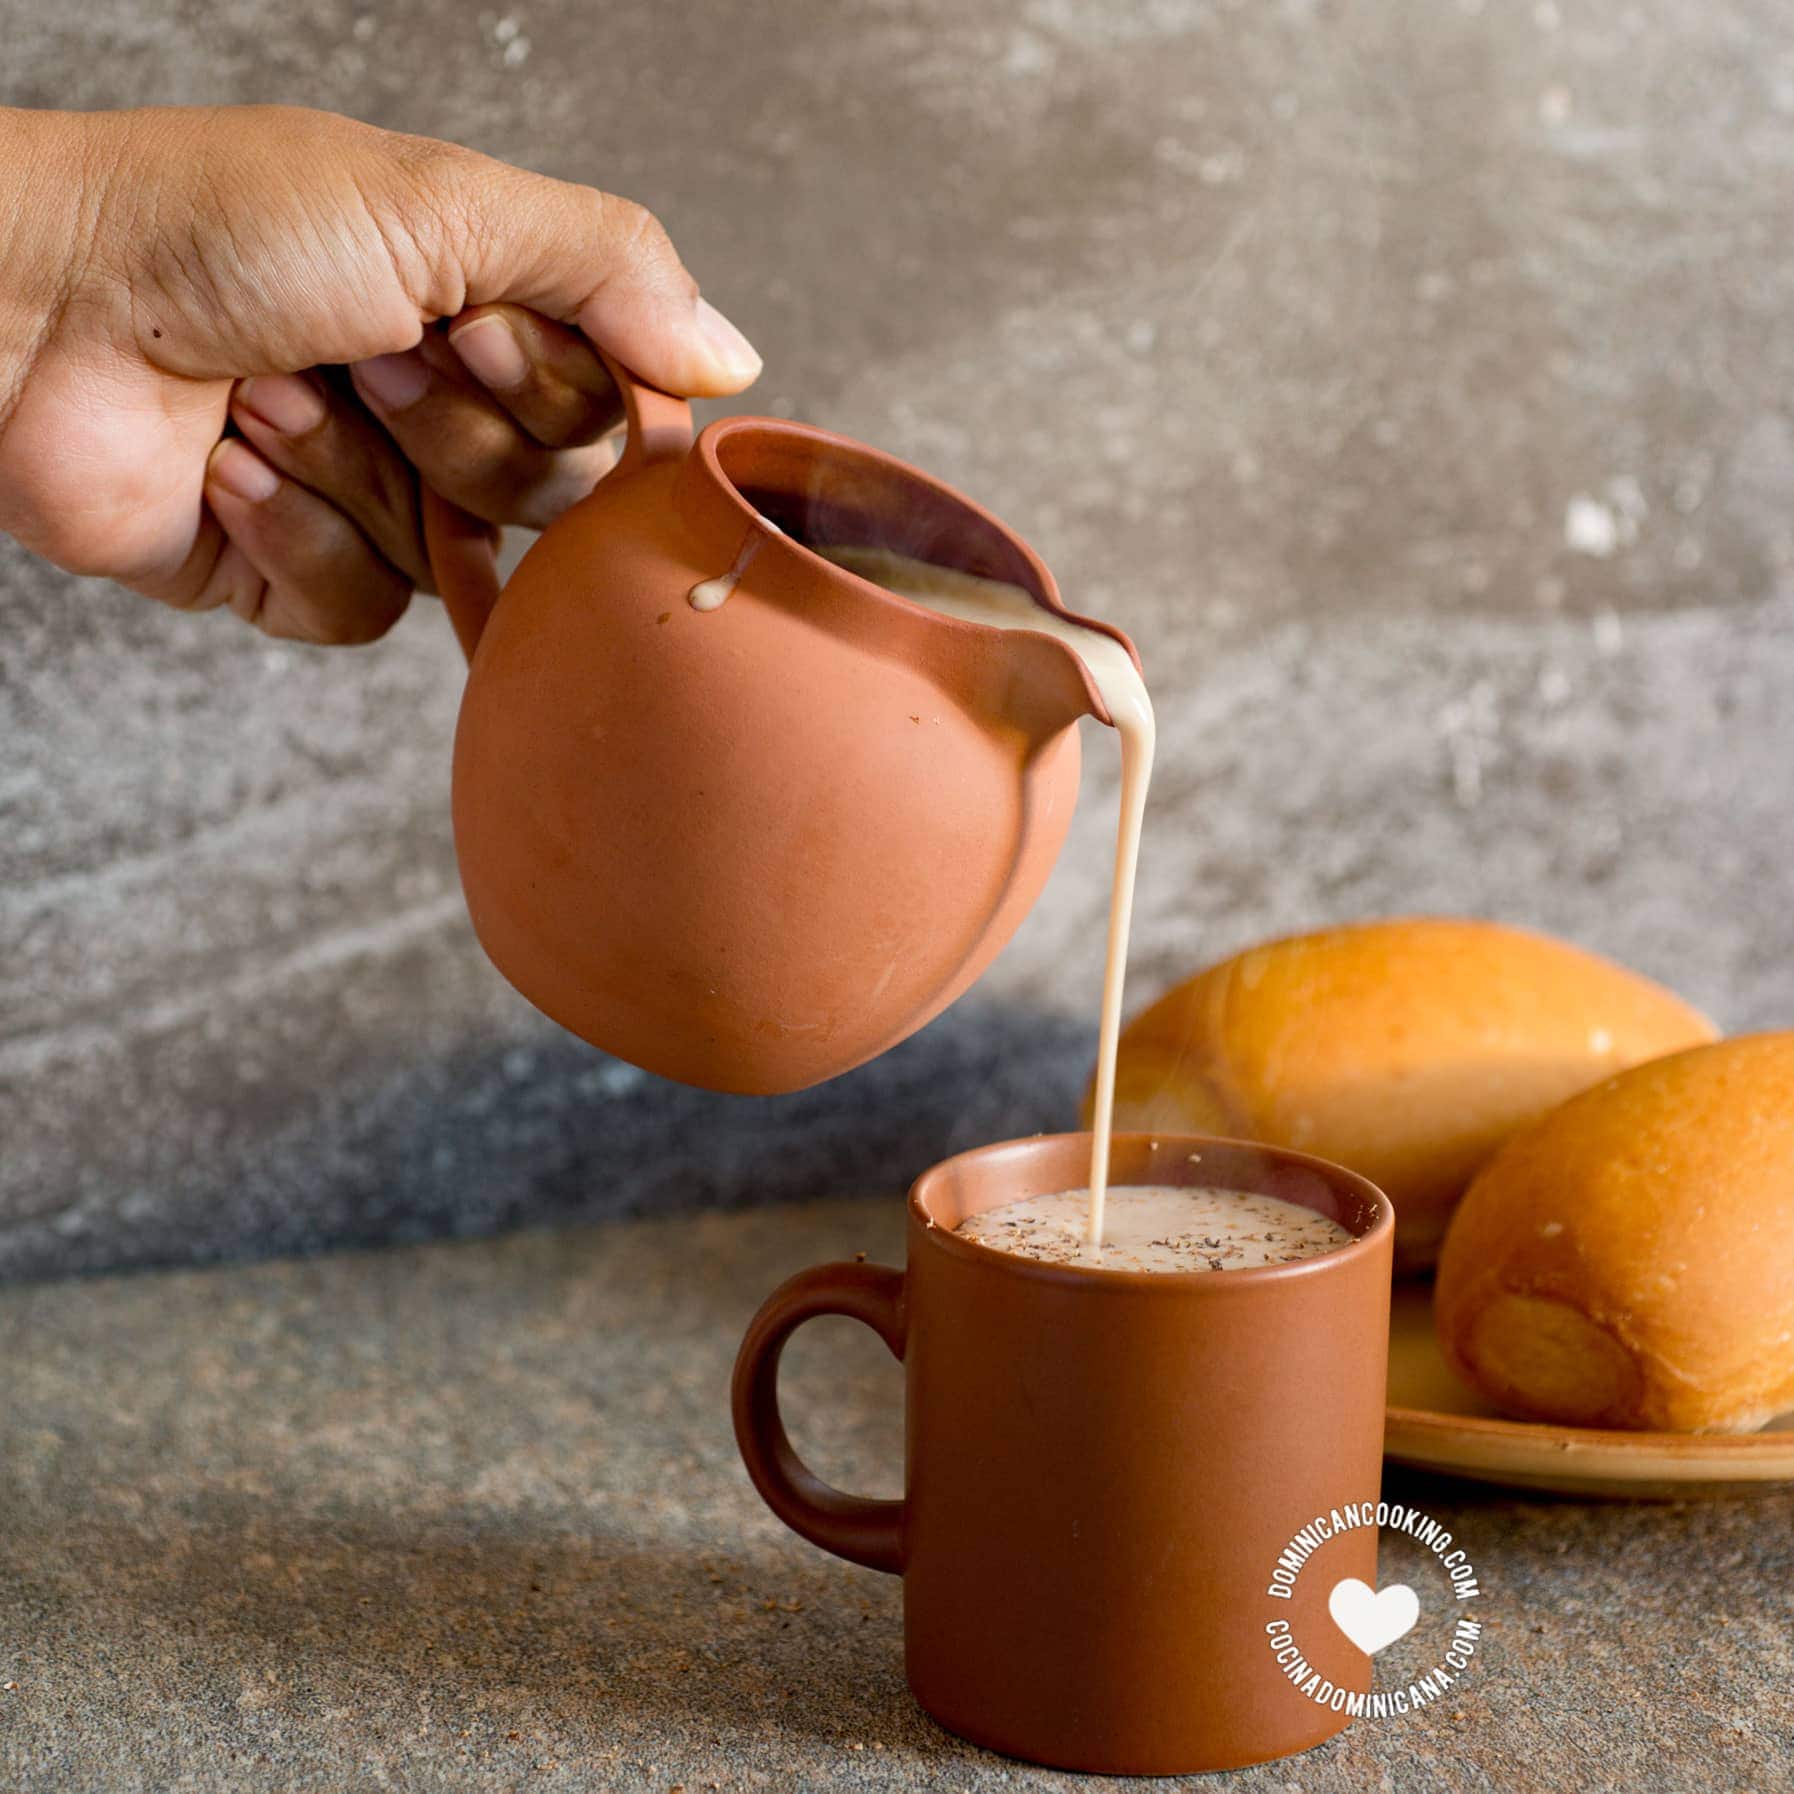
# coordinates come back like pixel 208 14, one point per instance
pixel 1414 383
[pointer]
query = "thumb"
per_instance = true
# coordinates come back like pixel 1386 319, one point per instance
pixel 589 258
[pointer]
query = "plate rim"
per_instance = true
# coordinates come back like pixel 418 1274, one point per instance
pixel 1498 1448
pixel 1416 1436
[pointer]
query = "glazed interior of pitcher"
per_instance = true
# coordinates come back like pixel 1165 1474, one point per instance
pixel 829 491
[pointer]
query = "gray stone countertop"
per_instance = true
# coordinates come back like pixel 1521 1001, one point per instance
pixel 470 1516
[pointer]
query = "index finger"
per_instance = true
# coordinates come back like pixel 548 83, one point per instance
pixel 546 376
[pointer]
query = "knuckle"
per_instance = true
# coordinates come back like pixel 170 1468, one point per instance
pixel 482 465
pixel 569 478
pixel 287 619
pixel 497 493
pixel 361 621
pixel 639 237
pixel 437 172
pixel 236 586
pixel 431 203
pixel 585 424
pixel 553 415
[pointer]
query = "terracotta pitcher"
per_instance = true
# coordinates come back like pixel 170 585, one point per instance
pixel 753 846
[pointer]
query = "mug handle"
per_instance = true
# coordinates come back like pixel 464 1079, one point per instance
pixel 463 549
pixel 852 1526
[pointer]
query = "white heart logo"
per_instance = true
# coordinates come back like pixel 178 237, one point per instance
pixel 1373 1618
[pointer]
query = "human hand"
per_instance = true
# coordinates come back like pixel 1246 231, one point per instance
pixel 286 271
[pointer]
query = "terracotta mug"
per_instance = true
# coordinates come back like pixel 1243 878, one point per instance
pixel 751 847
pixel 1104 1467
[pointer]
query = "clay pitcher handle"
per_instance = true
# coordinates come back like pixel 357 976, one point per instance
pixel 463 550
pixel 860 1530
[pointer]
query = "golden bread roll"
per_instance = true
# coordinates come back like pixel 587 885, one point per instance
pixel 1629 1260
pixel 1407 1050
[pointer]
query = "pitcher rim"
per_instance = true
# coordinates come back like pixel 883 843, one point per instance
pixel 705 461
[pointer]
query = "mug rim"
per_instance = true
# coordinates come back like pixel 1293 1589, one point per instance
pixel 1375 1238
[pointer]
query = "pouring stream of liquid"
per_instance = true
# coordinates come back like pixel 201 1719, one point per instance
pixel 1112 670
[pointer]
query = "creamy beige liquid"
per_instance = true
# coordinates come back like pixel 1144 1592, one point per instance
pixel 713 594
pixel 1156 1227
pixel 1117 679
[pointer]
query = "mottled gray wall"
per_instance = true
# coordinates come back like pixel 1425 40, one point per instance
pixel 1414 382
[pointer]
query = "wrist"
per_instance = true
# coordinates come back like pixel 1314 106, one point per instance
pixel 45 192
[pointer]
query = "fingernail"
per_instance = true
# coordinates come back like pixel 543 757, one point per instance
pixel 491 352
pixel 283 402
pixel 395 381
pixel 240 470
pixel 727 344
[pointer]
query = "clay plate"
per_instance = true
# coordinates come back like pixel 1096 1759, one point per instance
pixel 1437 1423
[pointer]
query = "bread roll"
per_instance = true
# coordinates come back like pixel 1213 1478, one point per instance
pixel 1407 1050
pixel 1629 1260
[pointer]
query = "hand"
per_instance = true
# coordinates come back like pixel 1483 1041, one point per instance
pixel 284 273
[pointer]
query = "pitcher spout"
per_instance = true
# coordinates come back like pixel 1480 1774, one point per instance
pixel 979 606
pixel 1050 684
